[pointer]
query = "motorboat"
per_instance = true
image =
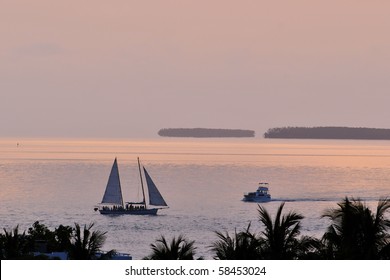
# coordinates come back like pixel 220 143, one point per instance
pixel 260 195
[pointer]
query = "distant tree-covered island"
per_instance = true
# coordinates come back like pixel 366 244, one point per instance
pixel 329 132
pixel 205 132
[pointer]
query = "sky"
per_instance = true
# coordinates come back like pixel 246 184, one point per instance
pixel 125 68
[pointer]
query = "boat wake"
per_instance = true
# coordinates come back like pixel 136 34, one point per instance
pixel 303 199
pixel 294 200
pixel 332 199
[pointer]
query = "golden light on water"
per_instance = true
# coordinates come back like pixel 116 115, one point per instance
pixel 202 151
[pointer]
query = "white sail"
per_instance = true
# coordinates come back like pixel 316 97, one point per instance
pixel 113 193
pixel 155 198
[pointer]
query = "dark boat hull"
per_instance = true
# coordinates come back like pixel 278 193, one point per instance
pixel 152 211
pixel 256 199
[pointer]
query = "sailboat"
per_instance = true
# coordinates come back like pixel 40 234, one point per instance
pixel 112 202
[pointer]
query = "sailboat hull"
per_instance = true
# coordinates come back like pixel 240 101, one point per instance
pixel 151 211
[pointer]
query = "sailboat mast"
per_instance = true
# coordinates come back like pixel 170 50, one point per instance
pixel 142 182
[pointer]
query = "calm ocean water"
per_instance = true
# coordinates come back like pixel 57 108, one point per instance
pixel 60 182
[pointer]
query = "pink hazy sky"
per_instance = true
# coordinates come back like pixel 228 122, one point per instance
pixel 127 68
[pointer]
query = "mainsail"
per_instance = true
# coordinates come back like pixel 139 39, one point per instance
pixel 113 193
pixel 155 198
